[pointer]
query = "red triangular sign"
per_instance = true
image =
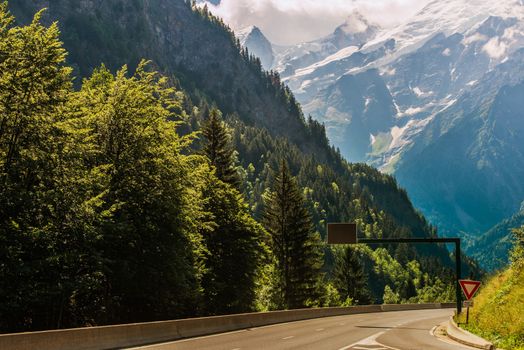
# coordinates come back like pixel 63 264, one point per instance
pixel 469 287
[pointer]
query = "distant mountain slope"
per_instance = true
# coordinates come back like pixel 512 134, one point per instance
pixel 354 32
pixel 491 248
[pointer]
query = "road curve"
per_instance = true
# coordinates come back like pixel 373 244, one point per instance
pixel 397 330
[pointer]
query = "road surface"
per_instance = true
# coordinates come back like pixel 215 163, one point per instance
pixel 403 330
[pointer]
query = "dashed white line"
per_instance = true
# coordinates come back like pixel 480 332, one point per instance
pixel 286 338
pixel 319 329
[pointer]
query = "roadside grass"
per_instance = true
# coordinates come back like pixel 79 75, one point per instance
pixel 498 311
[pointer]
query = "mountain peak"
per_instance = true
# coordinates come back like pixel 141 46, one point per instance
pixel 355 23
pixel 257 43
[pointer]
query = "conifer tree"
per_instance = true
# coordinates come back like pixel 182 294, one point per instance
pixel 218 148
pixel 349 277
pixel 236 250
pixel 229 286
pixel 294 242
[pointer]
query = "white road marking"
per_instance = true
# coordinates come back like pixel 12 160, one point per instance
pixel 286 338
pixel 319 329
pixel 366 342
pixel 186 340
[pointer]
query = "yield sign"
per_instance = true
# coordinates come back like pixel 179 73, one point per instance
pixel 469 287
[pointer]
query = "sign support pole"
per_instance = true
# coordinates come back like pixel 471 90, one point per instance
pixel 458 269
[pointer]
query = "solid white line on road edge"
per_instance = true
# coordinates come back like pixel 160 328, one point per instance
pixel 185 340
pixel 286 338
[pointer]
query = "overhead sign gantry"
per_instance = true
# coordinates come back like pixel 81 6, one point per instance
pixel 346 233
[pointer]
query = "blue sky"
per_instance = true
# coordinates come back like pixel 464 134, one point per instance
pixel 293 21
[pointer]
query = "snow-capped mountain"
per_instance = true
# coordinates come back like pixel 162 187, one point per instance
pixel 433 100
pixel 350 35
pixel 257 44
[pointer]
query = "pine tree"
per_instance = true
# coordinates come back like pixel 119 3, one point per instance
pixel 349 277
pixel 235 236
pixel 236 250
pixel 218 148
pixel 294 242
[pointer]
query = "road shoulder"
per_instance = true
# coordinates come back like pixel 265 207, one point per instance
pixel 462 336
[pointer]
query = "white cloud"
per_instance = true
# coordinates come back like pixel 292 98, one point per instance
pixel 294 21
pixel 495 48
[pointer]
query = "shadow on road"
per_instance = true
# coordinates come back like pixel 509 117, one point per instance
pixel 391 327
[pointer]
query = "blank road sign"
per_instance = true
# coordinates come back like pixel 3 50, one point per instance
pixel 342 233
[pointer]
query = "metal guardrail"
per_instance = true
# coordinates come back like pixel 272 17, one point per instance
pixel 136 334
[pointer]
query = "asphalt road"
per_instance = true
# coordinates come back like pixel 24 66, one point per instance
pixel 403 330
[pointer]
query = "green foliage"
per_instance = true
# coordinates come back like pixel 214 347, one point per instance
pixel 349 277
pixel 498 312
pixel 390 297
pixel 141 189
pixel 236 251
pixel 517 253
pixel 330 296
pixel 44 251
pixel 294 242
pixel 218 148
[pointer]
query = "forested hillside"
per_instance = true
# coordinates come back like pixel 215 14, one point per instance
pixel 125 197
pixel 492 248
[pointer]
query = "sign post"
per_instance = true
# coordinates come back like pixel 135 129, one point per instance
pixel 340 233
pixel 469 288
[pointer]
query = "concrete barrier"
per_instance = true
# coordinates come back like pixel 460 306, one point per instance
pixel 464 337
pixel 128 335
pixel 403 307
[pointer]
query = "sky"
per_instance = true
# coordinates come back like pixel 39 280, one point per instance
pixel 287 22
